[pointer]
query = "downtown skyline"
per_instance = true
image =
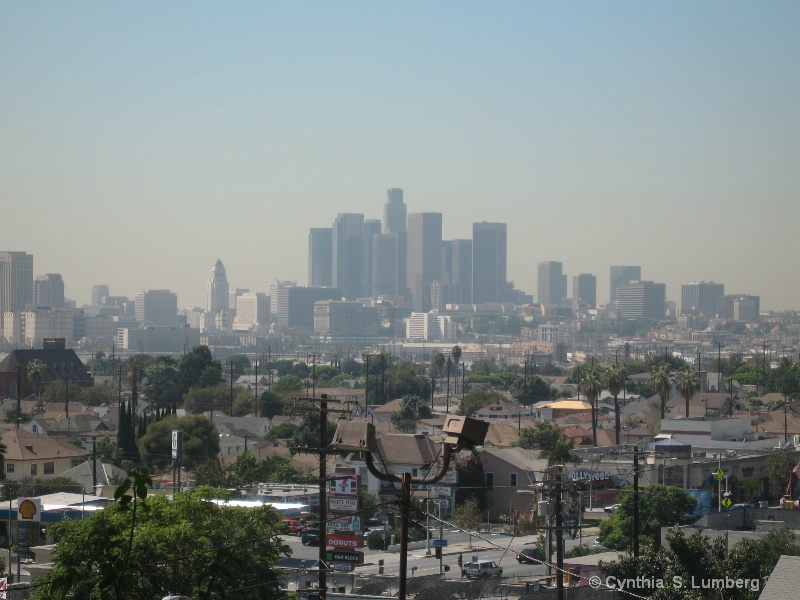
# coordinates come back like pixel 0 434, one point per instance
pixel 141 145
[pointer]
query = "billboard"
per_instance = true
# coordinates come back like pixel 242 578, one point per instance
pixel 344 485
pixel 346 504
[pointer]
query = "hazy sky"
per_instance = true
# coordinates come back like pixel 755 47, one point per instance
pixel 139 141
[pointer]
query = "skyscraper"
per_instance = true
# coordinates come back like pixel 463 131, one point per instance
pixel 641 300
pixel 16 281
pixel 48 290
pixel 488 262
pixel 424 257
pixel 217 289
pixel 622 274
pixel 386 265
pixel 394 212
pixel 552 283
pixel 158 308
pixel 99 292
pixel 348 256
pixel 701 298
pixel 320 253
pixel 457 271
pixel 584 290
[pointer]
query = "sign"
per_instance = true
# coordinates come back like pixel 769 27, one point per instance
pixel 344 523
pixel 720 474
pixel 344 485
pixel 344 541
pixel 344 504
pixel 177 444
pixel 29 510
pixel 586 475
pixel 356 558
pixel 342 567
pixel 451 478
pixel 440 490
pixel 726 502
pixel 439 543
pixel 3 588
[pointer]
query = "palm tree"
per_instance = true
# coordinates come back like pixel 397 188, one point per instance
pixel 35 372
pixel 134 370
pixel 591 387
pixel 615 378
pixel 438 360
pixel 688 383
pixel 661 380
pixel 561 453
pixel 455 354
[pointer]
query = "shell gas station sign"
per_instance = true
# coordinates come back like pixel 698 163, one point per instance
pixel 29 510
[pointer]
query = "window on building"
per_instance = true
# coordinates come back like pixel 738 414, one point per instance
pixel 513 480
pixel 490 481
pixel 34 469
pixel 9 468
pixel 49 468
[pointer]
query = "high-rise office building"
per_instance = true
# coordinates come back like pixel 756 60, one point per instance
pixel 641 300
pixel 372 229
pixel 394 212
pixel 584 290
pixel 48 290
pixel 623 274
pixel 320 256
pixel 457 271
pixel 701 298
pixel 551 283
pixel 386 265
pixel 424 257
pixel 348 256
pixel 99 292
pixel 158 308
pixel 217 289
pixel 16 281
pixel 740 307
pixel 252 311
pixel 294 305
pixel 489 262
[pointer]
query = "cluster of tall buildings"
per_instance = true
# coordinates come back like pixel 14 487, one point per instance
pixel 362 274
pixel 403 258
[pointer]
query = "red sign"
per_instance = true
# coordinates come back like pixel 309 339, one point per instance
pixel 344 541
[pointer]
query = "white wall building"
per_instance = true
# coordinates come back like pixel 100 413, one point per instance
pixel 252 311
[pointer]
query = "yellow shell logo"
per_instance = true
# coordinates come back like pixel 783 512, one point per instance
pixel 27 509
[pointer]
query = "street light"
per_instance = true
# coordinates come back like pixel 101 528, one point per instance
pixel 359 436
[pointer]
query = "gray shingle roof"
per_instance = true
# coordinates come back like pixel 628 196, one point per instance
pixel 784 580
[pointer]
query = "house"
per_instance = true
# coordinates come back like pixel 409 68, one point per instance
pixel 60 364
pixel 40 456
pixel 510 471
pixel 502 410
pixel 556 409
pixel 784 580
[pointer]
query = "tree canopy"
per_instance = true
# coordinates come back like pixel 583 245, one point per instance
pixel 200 441
pixel 188 546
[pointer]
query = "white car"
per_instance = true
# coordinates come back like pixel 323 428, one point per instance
pixel 612 508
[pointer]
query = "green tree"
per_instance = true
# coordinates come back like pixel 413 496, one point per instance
pixel 200 441
pixel 661 380
pixel 36 370
pixel 467 516
pixel 198 368
pixel 199 400
pixel 687 383
pixel 162 382
pixel 412 409
pixel 778 467
pixel 241 364
pixel 284 431
pixel 614 378
pixel 186 545
pixel 307 434
pixel 591 385
pixel 659 506
pixel 476 400
pixel 212 473
pixel 455 354
pixel 550 440
pixel 471 482
pixel 288 386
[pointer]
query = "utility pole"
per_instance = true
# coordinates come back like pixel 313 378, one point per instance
pixel 635 501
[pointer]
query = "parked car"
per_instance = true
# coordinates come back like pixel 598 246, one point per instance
pixel 530 556
pixel 294 526
pixel 310 537
pixel 612 508
pixel 481 569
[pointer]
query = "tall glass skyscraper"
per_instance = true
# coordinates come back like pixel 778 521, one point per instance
pixel 424 257
pixel 320 252
pixel 488 262
pixel 552 283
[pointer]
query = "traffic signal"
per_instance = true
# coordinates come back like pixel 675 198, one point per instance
pixel 380 567
pixel 460 560
pixel 438 550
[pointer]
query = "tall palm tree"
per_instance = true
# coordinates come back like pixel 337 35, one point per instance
pixel 661 380
pixel 438 360
pixel 35 372
pixel 591 386
pixel 615 378
pixel 455 354
pixel 688 383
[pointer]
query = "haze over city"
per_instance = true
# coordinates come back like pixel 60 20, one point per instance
pixel 141 143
